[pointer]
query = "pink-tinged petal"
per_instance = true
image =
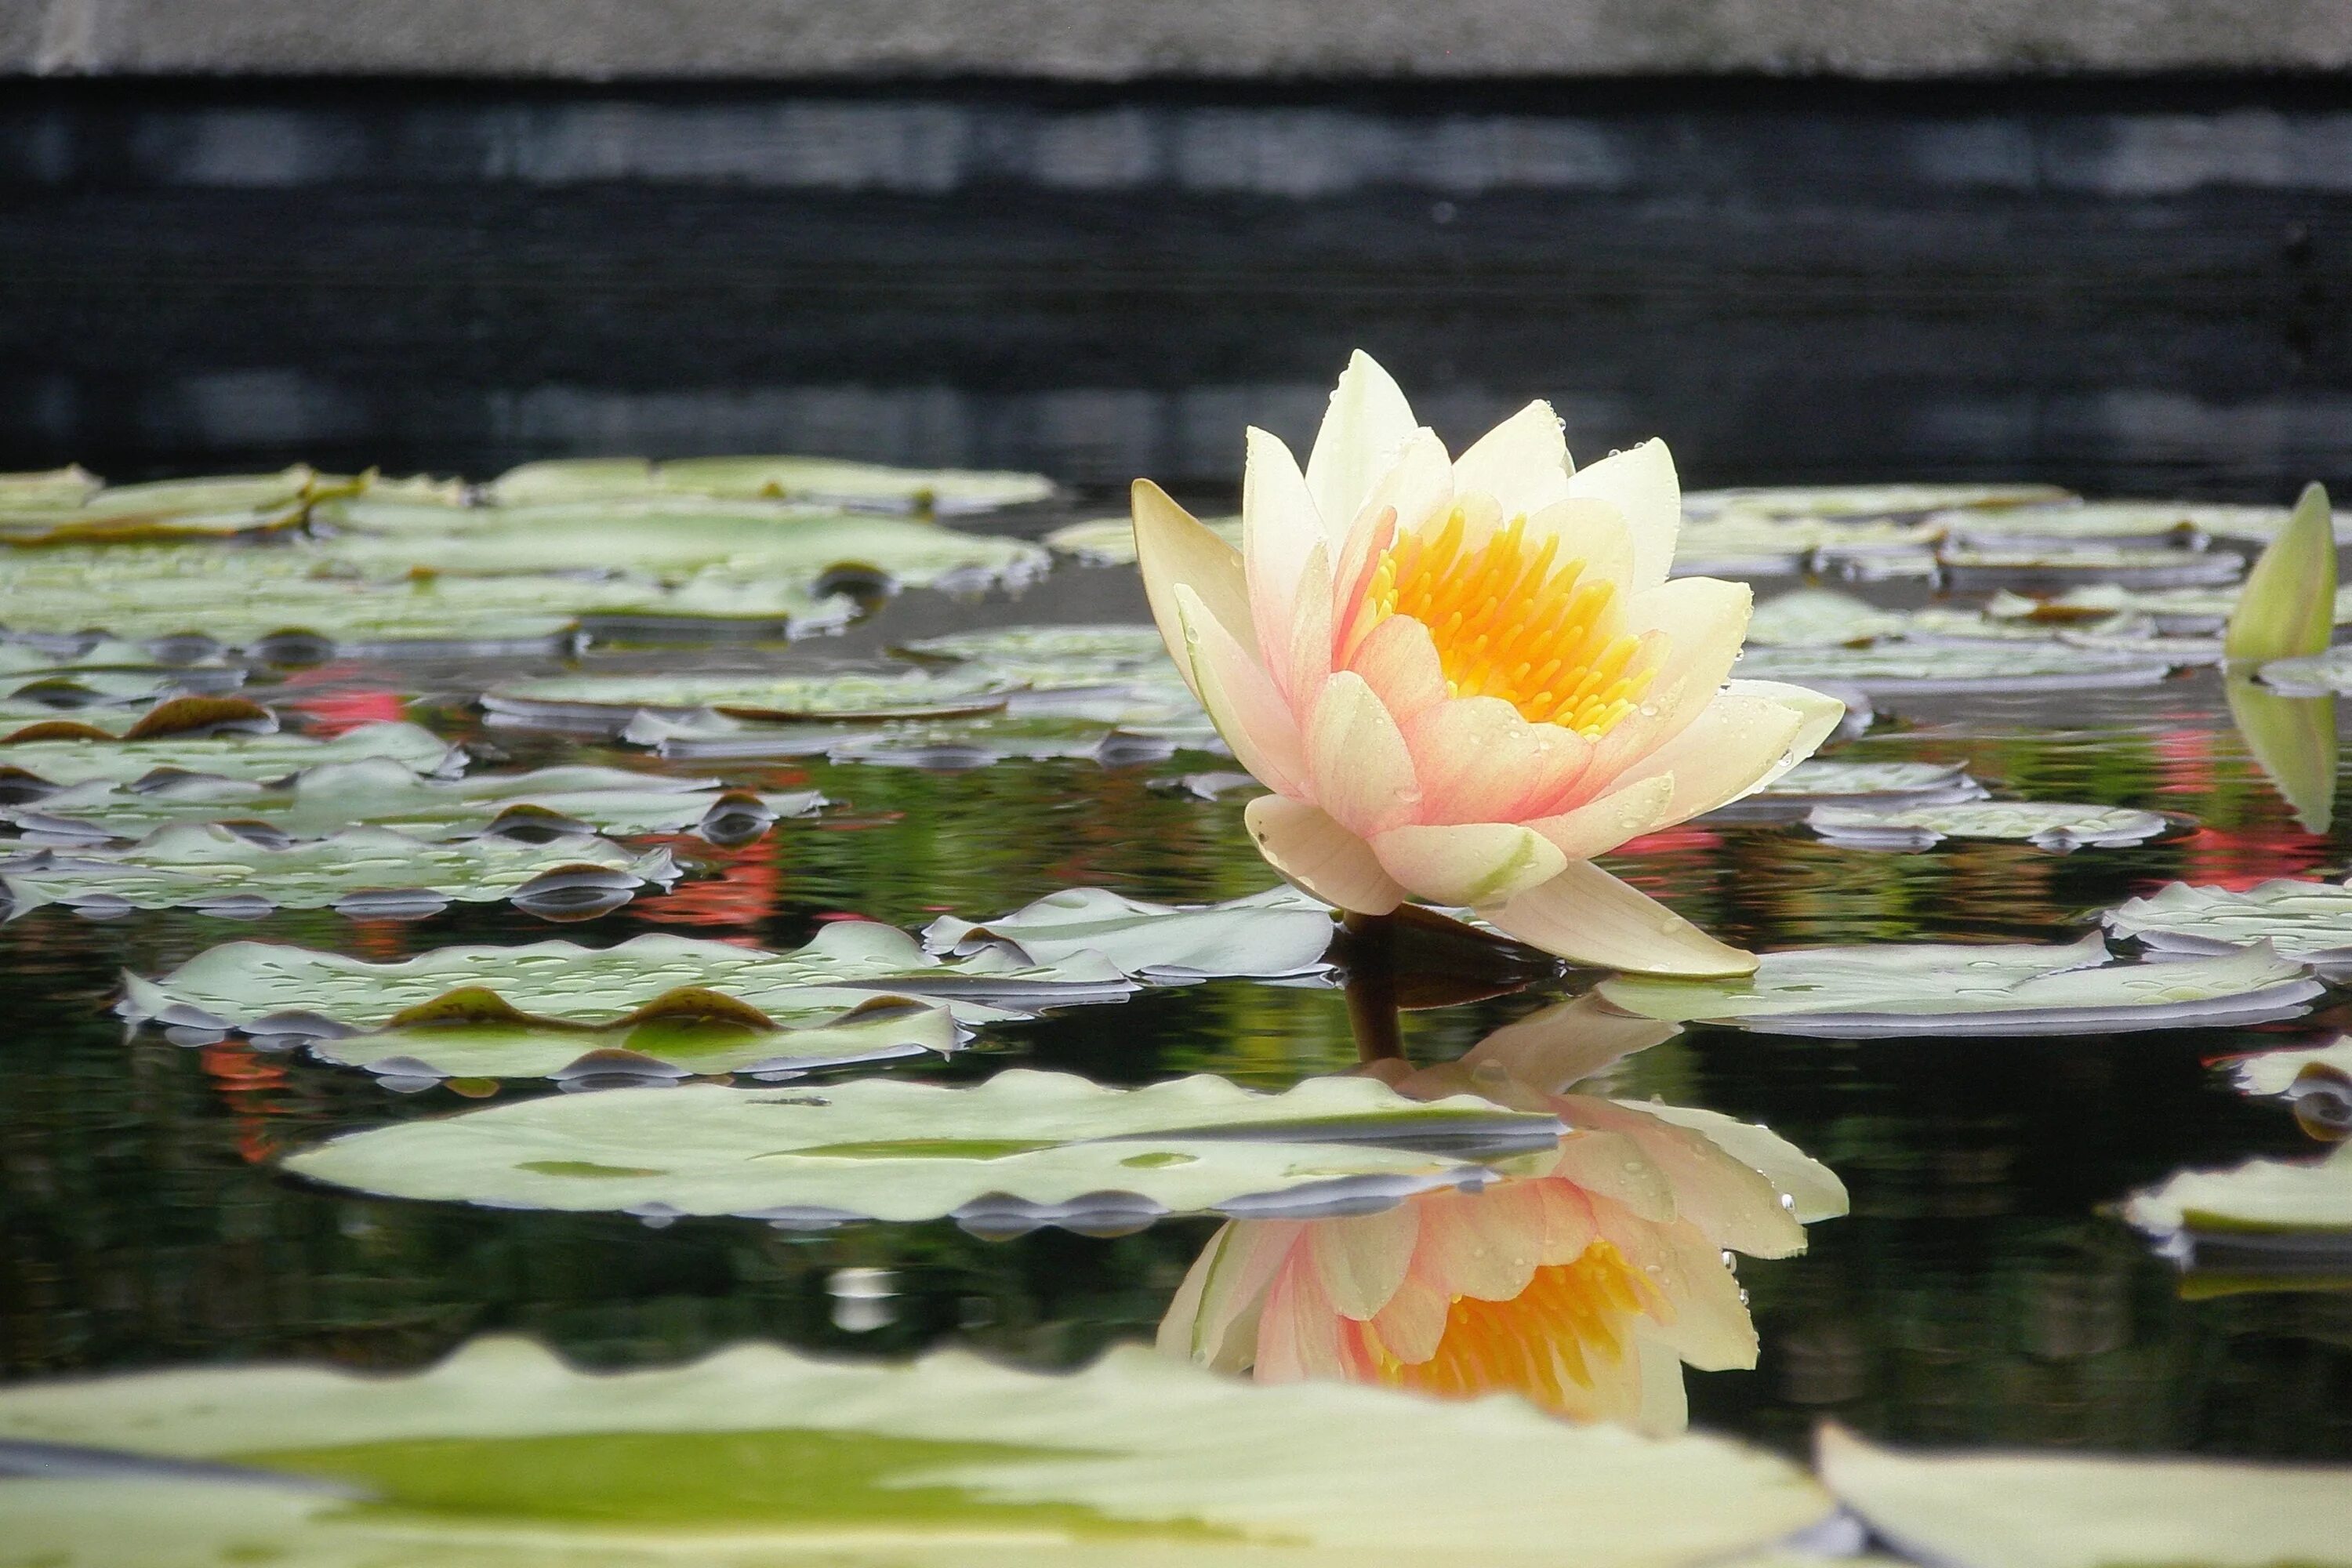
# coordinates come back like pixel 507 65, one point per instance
pixel 1398 661
pixel 1642 485
pixel 1409 497
pixel 1279 529
pixel 1612 1166
pixel 1478 759
pixel 1597 826
pixel 1726 752
pixel 1241 698
pixel 1568 1220
pixel 1569 1041
pixel 1363 1258
pixel 1367 424
pixel 1483 1243
pixel 1412 1324
pixel 1820 715
pixel 1703 620
pixel 1171 546
pixel 1297 1336
pixel 1306 652
pixel 1730 1202
pixel 1213 1319
pixel 1319 856
pixel 1587 916
pixel 1522 462
pixel 1812 1189
pixel 1361 770
pixel 1470 863
pixel 1665 1409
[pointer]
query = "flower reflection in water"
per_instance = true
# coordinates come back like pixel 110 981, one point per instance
pixel 1583 1281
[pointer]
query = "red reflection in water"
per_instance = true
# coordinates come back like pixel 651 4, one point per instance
pixel 343 703
pixel 745 891
pixel 1671 841
pixel 2214 858
pixel 250 1084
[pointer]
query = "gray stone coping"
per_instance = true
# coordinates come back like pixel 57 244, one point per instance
pixel 1124 40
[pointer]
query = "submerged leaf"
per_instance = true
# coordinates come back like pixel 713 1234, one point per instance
pixel 758 1455
pixel 1936 988
pixel 1024 1146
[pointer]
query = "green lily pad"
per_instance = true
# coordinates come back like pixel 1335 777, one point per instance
pixel 2308 922
pixel 1873 785
pixel 1819 617
pixel 2120 520
pixel 609 700
pixel 268 988
pixel 61 764
pixel 1914 669
pixel 759 1456
pixel 1052 656
pixel 829 481
pixel 1110 540
pixel 2322 675
pixel 1864 502
pixel 47 489
pixel 363 871
pixel 2045 824
pixel 1276 933
pixel 1025 1146
pixel 2003 1510
pixel 2190 610
pixel 216 507
pixel 1972 567
pixel 380 792
pixel 1952 988
pixel 682 1034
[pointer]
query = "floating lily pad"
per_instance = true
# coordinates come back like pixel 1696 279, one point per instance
pixel 269 988
pixel 47 489
pixel 682 1034
pixel 1053 656
pixel 215 508
pixel 1967 566
pixel 2308 922
pixel 2073 1511
pixel 1951 988
pixel 1110 540
pixel 762 1455
pixel 831 480
pixel 1278 932
pixel 612 699
pixel 1863 502
pixel 1819 617
pixel 1877 786
pixel 2121 521
pixel 364 871
pixel 31 769
pixel 2322 675
pixel 380 792
pixel 2173 611
pixel 1911 669
pixel 1022 1145
pixel 2045 824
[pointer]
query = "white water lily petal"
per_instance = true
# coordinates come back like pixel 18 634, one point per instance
pixel 1359 759
pixel 1589 916
pixel 1279 531
pixel 1467 864
pixel 1640 482
pixel 1522 462
pixel 1240 696
pixel 1600 825
pixel 1367 424
pixel 1315 853
pixel 1363 1258
pixel 1172 547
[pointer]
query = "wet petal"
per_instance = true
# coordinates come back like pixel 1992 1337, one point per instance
pixel 1820 716
pixel 1600 825
pixel 1279 529
pixel 1356 756
pixel 1470 863
pixel 1412 1323
pixel 1171 546
pixel 1365 1257
pixel 1641 483
pixel 1477 759
pixel 1241 698
pixel 1729 750
pixel 1732 1203
pixel 1317 854
pixel 1485 1244
pixel 1522 462
pixel 1398 661
pixel 1587 915
pixel 1367 422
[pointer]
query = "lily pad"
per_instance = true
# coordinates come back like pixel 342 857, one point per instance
pixel 831 480
pixel 2003 1510
pixel 1887 786
pixel 2322 675
pixel 1110 540
pixel 1819 617
pixel 381 791
pixel 1864 502
pixel 2175 611
pixel 270 988
pixel 610 700
pixel 364 871
pixel 2125 520
pixel 2261 1197
pixel 1969 567
pixel 216 507
pixel 2308 922
pixel 2278 1073
pixel 34 768
pixel 47 488
pixel 1951 988
pixel 1276 933
pixel 762 1455
pixel 2045 824
pixel 1024 1146
pixel 1052 656
pixel 1911 670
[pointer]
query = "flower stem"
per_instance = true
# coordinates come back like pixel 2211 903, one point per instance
pixel 1368 951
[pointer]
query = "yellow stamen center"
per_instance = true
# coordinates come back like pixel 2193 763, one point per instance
pixel 1509 622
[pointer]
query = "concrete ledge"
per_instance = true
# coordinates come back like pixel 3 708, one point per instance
pixel 1124 40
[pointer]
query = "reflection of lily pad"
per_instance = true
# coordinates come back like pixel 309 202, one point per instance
pixel 688 1031
pixel 759 1456
pixel 1876 786
pixel 1908 669
pixel 380 792
pixel 1864 501
pixel 2277 1072
pixel 1967 566
pixel 269 988
pixel 1023 1143
pixel 1949 988
pixel 2044 824
pixel 2308 922
pixel 361 871
pixel 1277 932
pixel 2074 1511
pixel 832 480
pixel 1110 540
pixel 2283 1197
pixel 64 762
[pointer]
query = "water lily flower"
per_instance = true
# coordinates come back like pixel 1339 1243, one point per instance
pixel 1463 678
pixel 1584 1283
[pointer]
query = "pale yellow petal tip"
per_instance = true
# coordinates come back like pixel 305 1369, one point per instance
pixel 2287 607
